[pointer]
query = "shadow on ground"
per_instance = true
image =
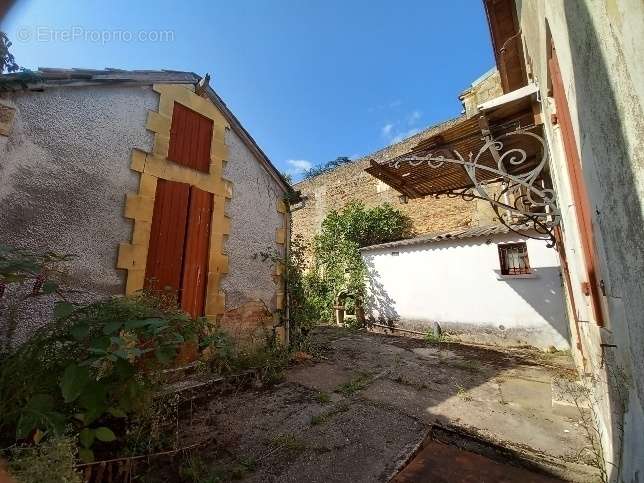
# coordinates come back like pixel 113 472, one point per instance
pixel 367 402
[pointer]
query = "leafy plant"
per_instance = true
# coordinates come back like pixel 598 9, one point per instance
pixel 24 277
pixel 432 338
pixel 317 274
pixel 88 369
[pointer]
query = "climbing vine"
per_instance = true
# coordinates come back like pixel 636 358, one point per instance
pixel 335 263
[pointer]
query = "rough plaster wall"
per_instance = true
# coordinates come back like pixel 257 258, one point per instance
pixel 253 222
pixel 599 45
pixel 337 188
pixel 64 173
pixel 414 286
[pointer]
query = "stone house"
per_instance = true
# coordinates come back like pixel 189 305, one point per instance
pixel 334 189
pixel 149 179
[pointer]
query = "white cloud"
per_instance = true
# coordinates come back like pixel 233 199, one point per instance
pixel 299 165
pixel 387 130
pixel 414 117
pixel 400 129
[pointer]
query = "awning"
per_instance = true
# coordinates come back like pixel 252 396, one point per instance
pixel 502 120
pixel 502 144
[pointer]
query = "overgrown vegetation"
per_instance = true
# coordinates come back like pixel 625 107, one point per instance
pixel 52 461
pixel 87 384
pixel 318 273
pixel 89 368
pixel 432 338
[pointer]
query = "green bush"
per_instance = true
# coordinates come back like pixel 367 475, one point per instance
pixel 89 368
pixel 336 261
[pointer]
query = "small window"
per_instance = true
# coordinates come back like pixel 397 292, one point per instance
pixel 514 259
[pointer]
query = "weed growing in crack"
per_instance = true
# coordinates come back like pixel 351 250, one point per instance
pixel 470 365
pixel 289 442
pixel 419 386
pixel 323 397
pixel 326 416
pixel 356 384
pixel 196 470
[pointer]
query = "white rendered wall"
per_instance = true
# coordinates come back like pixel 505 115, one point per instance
pixel 458 284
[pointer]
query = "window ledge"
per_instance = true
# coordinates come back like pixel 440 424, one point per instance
pixel 518 276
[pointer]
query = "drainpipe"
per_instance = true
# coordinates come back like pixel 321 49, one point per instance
pixel 287 253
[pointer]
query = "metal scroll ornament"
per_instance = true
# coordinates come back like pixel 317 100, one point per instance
pixel 520 201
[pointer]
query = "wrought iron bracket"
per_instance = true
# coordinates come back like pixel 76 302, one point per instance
pixel 522 203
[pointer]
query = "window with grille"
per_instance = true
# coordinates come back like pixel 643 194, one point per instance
pixel 514 259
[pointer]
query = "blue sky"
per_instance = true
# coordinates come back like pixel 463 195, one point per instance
pixel 310 79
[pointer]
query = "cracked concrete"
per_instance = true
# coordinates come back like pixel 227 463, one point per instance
pixel 361 409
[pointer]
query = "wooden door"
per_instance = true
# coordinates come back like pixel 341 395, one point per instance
pixel 177 260
pixel 591 287
pixel 195 259
pixel 167 237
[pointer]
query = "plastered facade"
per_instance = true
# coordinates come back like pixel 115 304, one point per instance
pixel 459 284
pixel 78 174
pixel 257 223
pixel 599 47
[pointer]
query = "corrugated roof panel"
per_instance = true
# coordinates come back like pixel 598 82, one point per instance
pixel 455 234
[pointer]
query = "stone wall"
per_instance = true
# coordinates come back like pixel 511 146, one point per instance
pixel 337 188
pixel 485 88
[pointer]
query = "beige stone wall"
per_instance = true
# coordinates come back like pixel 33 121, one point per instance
pixel 337 188
pixel 483 89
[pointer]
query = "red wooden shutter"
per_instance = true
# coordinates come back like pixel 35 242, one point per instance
pixel 195 260
pixel 190 138
pixel 578 186
pixel 167 236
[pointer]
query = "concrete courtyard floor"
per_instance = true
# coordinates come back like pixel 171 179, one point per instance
pixel 360 410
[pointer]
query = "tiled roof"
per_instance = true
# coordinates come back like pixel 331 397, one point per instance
pixel 456 234
pixel 46 77
pixel 59 76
